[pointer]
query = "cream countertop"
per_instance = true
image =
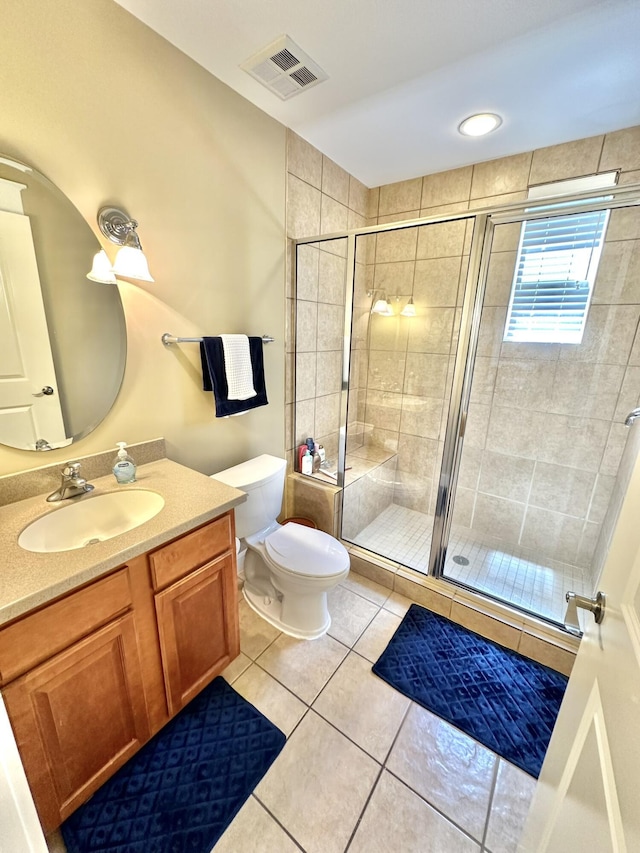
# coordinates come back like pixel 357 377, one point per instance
pixel 28 580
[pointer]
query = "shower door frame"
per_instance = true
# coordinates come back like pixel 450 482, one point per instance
pixel 485 220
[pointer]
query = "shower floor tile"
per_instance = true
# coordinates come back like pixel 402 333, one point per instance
pixel 512 574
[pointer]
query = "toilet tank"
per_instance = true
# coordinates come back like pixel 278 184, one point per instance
pixel 262 479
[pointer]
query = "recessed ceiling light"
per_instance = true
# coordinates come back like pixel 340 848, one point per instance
pixel 479 124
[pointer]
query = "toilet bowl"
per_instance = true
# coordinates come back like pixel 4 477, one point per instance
pixel 288 569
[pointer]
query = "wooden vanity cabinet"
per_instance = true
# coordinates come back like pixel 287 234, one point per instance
pixel 88 679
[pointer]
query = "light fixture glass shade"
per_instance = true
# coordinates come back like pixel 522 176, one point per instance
pixel 101 269
pixel 409 309
pixel 381 306
pixel 479 124
pixel 131 263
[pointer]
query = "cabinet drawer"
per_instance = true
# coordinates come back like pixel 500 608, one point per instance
pixel 174 561
pixel 41 635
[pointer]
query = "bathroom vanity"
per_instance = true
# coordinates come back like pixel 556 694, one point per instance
pixel 101 646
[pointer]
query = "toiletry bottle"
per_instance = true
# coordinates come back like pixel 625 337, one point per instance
pixel 310 442
pixel 307 463
pixel 301 451
pixel 323 455
pixel 124 468
pixel 316 458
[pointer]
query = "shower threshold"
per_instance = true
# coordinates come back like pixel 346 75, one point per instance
pixel 512 574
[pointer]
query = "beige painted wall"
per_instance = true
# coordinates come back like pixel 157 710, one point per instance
pixel 112 113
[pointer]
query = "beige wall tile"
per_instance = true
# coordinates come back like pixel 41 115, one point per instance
pixel 413 491
pixel 588 543
pixel 506 476
pixel 624 224
pixel 436 281
pixel 289 325
pixel 464 507
pixel 431 330
pixel 303 209
pixel 579 443
pixel 485 625
pixel 546 653
pixel 523 384
pixel 383 575
pixel 442 239
pixel 425 375
pixel 386 371
pixel 586 390
pixel 484 379
pixel 443 210
pixel 421 416
pixel 334 217
pixel 618 435
pixel 500 278
pixel 400 197
pixel 314 500
pixel 562 489
pixel 506 175
pixel 477 424
pixel 629 393
pixel 498 517
pixel 355 220
pixel 303 160
pixel 407 216
pixel 335 181
pixel 331 278
pixel 523 441
pixel 306 326
pixel 305 421
pixel 446 187
pixel 330 326
pixel 492 330
pixel 552 534
pixel 307 265
pixel 397 245
pixel 358 197
pixel 618 279
pixel 305 375
pixel 417 454
pixel 373 201
pixel 394 277
pixel 531 351
pixel 506 237
pixel 383 409
pixel 621 150
pixel 608 335
pixel 289 418
pixel 328 373
pixel 601 497
pixel 568 160
pixel 422 595
pixel 470 464
pixel 327 414
pixel 496 200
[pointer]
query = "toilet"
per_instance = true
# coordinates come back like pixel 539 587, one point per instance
pixel 288 569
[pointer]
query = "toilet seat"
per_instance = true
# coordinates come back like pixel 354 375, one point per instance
pixel 305 552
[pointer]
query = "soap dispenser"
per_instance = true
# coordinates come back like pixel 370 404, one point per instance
pixel 124 468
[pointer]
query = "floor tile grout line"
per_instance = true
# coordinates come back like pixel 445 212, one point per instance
pixel 275 819
pixel 494 785
pixel 364 808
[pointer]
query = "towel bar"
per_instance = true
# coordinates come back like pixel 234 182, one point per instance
pixel 168 339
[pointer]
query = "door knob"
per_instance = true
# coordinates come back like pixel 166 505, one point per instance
pixel 47 391
pixel 595 605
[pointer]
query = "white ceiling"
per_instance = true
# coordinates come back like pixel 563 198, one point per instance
pixel 404 73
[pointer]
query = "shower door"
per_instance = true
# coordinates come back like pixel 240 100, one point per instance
pixel 409 286
pixel 556 371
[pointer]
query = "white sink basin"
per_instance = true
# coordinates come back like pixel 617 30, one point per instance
pixel 90 520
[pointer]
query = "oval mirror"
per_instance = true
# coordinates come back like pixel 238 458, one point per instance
pixel 62 337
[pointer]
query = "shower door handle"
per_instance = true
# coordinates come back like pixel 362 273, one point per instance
pixel 595 605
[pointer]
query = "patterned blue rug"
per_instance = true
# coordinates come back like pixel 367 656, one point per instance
pixel 182 790
pixel 502 699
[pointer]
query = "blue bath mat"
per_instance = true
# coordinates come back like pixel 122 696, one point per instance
pixel 182 790
pixel 498 697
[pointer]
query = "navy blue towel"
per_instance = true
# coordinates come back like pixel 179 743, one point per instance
pixel 215 378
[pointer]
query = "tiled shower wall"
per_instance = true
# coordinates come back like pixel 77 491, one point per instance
pixel 321 199
pixel 545 430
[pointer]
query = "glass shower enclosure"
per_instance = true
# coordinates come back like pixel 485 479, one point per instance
pixel 487 363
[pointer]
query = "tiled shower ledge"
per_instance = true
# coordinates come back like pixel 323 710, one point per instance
pixel 360 462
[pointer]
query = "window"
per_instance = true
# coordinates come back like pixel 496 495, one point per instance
pixel 554 276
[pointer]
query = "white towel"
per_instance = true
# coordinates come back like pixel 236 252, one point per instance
pixel 237 367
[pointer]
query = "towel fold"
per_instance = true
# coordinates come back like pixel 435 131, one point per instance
pixel 237 367
pixel 215 378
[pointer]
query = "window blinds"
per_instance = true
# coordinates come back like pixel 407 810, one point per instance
pixel 554 276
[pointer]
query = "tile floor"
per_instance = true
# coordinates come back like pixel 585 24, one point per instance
pixel 364 769
pixel 512 574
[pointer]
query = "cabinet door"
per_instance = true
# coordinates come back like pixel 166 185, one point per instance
pixel 198 626
pixel 78 717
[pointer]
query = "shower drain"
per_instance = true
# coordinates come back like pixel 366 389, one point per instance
pixel 460 560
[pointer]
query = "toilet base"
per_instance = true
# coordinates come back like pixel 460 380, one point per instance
pixel 271 610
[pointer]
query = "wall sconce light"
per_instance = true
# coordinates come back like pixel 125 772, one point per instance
pixel 409 309
pixel 380 306
pixel 130 261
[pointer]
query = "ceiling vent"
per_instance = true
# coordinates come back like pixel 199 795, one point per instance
pixel 284 69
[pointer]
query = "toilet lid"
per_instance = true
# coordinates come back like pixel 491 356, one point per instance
pixel 305 551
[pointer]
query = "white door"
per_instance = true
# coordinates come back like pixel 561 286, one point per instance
pixel 588 795
pixel 26 363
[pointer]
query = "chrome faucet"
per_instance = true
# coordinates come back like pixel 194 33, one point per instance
pixel 632 416
pixel 72 483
